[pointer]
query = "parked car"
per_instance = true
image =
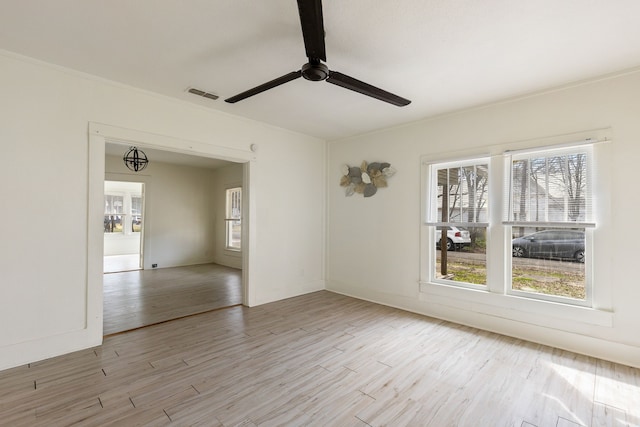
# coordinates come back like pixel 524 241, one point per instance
pixel 567 244
pixel 457 238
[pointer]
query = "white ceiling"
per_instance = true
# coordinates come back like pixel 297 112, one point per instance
pixel 444 55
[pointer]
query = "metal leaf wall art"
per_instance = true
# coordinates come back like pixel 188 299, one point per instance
pixel 365 179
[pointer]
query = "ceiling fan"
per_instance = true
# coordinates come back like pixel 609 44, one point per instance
pixel 313 34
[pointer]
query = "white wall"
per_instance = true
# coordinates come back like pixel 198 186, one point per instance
pixel 120 244
pixel 223 179
pixel 51 299
pixel 179 214
pixel 374 244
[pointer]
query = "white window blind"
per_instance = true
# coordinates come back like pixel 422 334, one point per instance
pixel 549 188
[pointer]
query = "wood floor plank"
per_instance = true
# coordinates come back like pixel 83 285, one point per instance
pixel 605 415
pixel 318 360
pixel 144 297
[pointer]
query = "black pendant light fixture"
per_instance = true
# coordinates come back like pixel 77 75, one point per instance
pixel 135 159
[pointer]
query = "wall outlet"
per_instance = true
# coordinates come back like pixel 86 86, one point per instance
pixel 154 265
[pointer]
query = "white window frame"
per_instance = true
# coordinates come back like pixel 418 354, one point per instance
pixel 432 221
pixel 495 300
pixel 587 225
pixel 231 217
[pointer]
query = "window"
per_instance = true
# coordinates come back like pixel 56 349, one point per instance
pixel 123 207
pixel 549 215
pixel 136 213
pixel 518 223
pixel 233 219
pixel 113 213
pixel 458 219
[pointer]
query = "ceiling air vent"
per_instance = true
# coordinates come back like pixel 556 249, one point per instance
pixel 202 93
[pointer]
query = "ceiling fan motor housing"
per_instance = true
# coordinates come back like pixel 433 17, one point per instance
pixel 315 72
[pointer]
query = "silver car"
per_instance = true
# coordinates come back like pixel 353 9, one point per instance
pixel 568 244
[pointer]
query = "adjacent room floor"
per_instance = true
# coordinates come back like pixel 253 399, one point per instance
pixel 134 299
pixel 320 359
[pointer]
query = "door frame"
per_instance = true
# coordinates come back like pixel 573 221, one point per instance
pixel 138 179
pixel 99 135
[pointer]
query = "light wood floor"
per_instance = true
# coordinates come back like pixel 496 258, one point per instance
pixel 321 360
pixel 139 298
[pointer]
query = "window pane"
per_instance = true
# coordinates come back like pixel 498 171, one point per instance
pixel 465 261
pixel 113 223
pixel 113 213
pixel 233 234
pixel 234 218
pixel 549 261
pixel 113 204
pixel 136 214
pixel 550 189
pixel 462 194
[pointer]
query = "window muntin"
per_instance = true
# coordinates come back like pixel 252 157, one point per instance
pixel 458 219
pixel 233 220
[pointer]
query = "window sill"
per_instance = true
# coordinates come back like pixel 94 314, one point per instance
pixel 517 308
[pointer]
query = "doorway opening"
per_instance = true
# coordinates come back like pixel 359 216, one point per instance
pixel 106 145
pixel 123 226
pixel 173 238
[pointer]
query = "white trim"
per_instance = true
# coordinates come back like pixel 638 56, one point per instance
pixel 446 159
pixel 551 224
pixel 458 224
pixel 248 235
pixel 513 307
pixel 566 146
pixel 534 144
pixel 95 237
pixel 125 136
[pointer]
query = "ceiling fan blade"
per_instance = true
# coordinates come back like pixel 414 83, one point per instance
pixel 347 82
pixel 265 86
pixel 312 28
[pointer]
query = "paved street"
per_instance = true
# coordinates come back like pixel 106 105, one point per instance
pixel 542 264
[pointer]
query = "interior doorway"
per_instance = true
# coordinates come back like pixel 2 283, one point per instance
pixel 105 162
pixel 185 213
pixel 123 226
